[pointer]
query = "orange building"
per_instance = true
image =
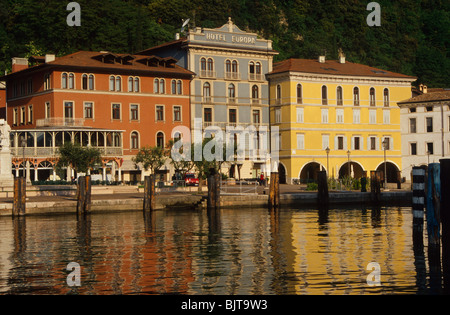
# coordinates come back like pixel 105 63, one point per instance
pixel 116 102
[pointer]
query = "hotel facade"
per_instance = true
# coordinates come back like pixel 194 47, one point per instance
pixel 230 89
pixel 336 116
pixel 114 102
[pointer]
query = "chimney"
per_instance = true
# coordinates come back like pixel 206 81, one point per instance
pixel 322 59
pixel 425 89
pixel 177 36
pixel 49 58
pixel 341 56
pixel 19 64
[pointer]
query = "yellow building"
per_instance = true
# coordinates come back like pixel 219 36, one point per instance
pixel 349 108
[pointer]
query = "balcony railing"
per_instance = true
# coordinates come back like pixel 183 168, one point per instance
pixel 207 74
pixel 232 76
pixel 45 152
pixel 256 77
pixel 59 122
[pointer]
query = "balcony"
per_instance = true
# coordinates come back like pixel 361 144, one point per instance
pixel 60 122
pixel 207 74
pixel 256 77
pixel 232 76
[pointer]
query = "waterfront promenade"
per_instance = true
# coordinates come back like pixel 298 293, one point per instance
pixel 126 198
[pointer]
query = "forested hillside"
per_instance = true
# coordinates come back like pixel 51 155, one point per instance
pixel 413 37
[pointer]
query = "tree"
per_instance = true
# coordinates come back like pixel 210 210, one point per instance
pixel 81 159
pixel 152 158
pixel 180 165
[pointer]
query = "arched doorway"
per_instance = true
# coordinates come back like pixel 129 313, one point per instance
pixel 309 172
pixel 356 170
pixel 282 173
pixel 391 171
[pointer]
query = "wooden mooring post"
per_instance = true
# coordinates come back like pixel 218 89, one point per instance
pixel 84 194
pixel 213 182
pixel 375 185
pixel 149 193
pixel 322 193
pixel 20 196
pixel 433 203
pixel 274 191
pixel 445 222
pixel 418 202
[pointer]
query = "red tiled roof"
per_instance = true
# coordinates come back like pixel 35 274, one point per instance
pixel 122 62
pixel 439 95
pixel 333 67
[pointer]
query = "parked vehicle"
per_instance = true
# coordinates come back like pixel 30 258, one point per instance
pixel 190 179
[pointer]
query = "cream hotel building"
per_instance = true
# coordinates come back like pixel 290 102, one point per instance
pixel 337 116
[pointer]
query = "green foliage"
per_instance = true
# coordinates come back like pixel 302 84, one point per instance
pixel 312 186
pixel 152 158
pixel 413 37
pixel 81 159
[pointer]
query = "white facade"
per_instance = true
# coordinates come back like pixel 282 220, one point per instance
pixel 425 133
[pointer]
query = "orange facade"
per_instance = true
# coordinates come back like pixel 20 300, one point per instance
pixel 143 97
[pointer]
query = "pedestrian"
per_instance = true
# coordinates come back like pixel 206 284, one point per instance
pixel 261 179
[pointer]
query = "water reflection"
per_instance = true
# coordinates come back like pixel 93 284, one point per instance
pixel 236 251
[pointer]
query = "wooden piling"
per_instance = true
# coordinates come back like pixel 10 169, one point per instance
pixel 84 194
pixel 418 202
pixel 20 196
pixel 322 194
pixel 399 180
pixel 433 204
pixel 149 193
pixel 274 191
pixel 375 188
pixel 445 222
pixel 213 182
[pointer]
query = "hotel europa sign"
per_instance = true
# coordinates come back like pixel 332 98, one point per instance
pixel 228 38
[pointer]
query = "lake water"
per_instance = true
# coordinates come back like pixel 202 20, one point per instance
pixel 237 251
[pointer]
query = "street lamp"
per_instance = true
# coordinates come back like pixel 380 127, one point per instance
pixel 327 150
pixel 385 142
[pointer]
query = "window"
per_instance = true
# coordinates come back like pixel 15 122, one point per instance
pixel 231 93
pixel 47 110
pixel 159 113
pixel 160 140
pixel 64 80
pixel 207 115
pixel 372 97
pixel 134 112
pixel 68 110
pixel 373 143
pixel 179 87
pixel 71 81
pixel 232 115
pixel 22 115
pixel 299 94
pixel 413 148
pixel 134 140
pixel 372 116
pixel 299 113
pixel 47 85
pixel 278 94
pixel 174 87
pixel 356 96
pixel 430 148
pixel 29 86
pixel 203 64
pixel 325 116
pixel 210 65
pixel 356 143
pixel 177 113
pixel 84 82
pixel 91 82
pixel 277 115
pixel 356 116
pixel 340 143
pixel 340 116
pixel 118 84
pixel 324 95
pixel 116 111
pixel 386 97
pixel 30 114
pixel 112 83
pixel 429 122
pixel 15 117
pixel 429 108
pixel 255 71
pixel 133 84
pixel 256 116
pixel 386 117
pixel 130 84
pixel 234 66
pixel 156 86
pixel 206 92
pixel 339 96
pixel 300 141
pixel 412 125
pixel 228 66
pixel 255 94
pixel 162 88
pixel 88 110
pixel 325 141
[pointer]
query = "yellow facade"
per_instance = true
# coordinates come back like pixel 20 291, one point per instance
pixel 354 133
